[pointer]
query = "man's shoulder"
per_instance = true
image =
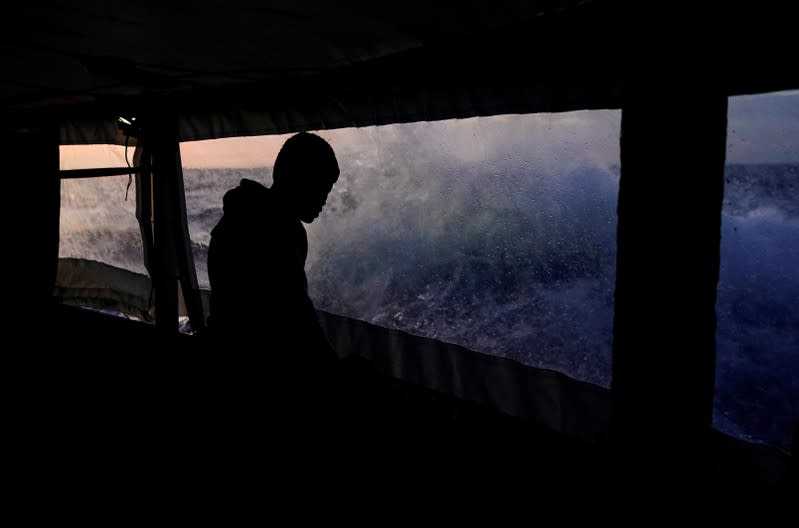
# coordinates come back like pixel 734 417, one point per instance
pixel 248 196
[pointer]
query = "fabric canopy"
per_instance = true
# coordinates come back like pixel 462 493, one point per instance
pixel 241 67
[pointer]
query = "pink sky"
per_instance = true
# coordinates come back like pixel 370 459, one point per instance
pixel 257 151
pixel 762 128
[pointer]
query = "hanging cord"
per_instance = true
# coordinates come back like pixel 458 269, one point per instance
pixel 130 175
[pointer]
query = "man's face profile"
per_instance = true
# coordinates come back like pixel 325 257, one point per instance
pixel 316 197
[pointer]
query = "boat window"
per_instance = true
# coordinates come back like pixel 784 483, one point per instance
pixel 101 258
pixel 757 338
pixel 495 233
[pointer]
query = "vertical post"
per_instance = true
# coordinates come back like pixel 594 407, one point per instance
pixel 31 209
pixel 161 140
pixel 32 363
pixel 673 142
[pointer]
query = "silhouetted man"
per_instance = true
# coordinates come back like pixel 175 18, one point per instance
pixel 256 257
pixel 274 390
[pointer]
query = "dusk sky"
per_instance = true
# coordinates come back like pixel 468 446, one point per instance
pixel 762 129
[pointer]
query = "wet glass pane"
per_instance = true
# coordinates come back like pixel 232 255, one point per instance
pixel 757 375
pixel 495 233
pixel 98 215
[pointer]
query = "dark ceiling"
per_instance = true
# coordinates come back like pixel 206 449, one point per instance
pixel 75 57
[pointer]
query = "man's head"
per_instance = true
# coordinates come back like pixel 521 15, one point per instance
pixel 304 173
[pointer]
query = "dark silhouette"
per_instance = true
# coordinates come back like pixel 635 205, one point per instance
pixel 270 356
pixel 256 258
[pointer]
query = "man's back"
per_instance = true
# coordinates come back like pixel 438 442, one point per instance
pixel 268 350
pixel 256 262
